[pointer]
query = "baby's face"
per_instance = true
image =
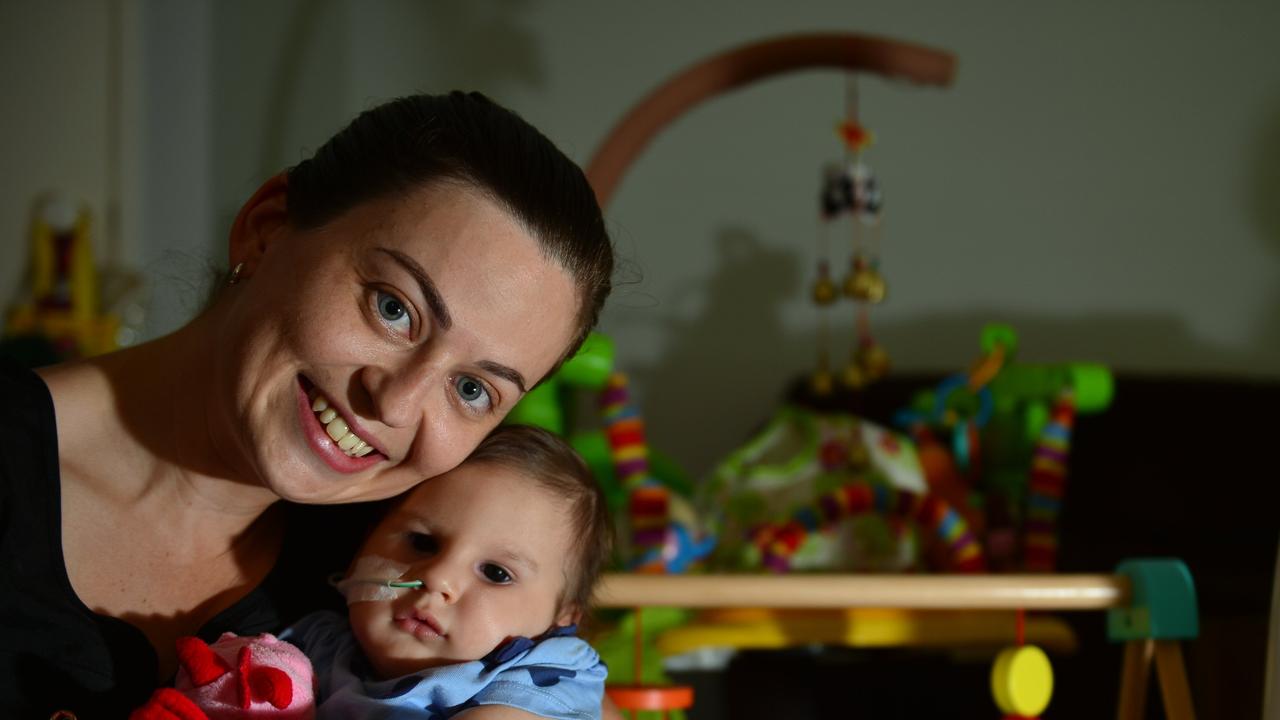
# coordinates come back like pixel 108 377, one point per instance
pixel 492 549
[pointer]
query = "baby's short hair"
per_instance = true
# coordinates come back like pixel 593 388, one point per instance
pixel 555 466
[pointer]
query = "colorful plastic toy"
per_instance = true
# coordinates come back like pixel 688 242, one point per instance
pixel 663 533
pixel 63 303
pixel 1162 612
pixel 1022 682
pixel 777 542
pixel 1009 426
pixel 647 500
pixel 832 492
pixel 545 405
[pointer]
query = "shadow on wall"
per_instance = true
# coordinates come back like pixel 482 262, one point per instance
pixel 724 372
pixel 484 45
pixel 487 43
pixel 719 373
pixel 1264 208
pixel 289 74
pixel 304 27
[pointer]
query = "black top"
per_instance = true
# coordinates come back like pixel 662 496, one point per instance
pixel 57 654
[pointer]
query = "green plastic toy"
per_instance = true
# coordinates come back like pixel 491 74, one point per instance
pixel 588 369
pixel 1008 427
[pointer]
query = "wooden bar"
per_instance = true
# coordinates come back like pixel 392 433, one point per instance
pixel 1135 675
pixel 1174 689
pixel 991 592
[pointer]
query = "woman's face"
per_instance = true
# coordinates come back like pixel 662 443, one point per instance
pixel 366 355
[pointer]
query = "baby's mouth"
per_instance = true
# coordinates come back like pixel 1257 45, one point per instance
pixel 346 440
pixel 419 623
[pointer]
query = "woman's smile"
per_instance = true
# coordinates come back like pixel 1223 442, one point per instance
pixel 330 435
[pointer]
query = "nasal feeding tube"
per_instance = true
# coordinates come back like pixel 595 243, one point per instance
pixel 376 578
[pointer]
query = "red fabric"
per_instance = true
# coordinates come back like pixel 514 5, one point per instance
pixel 169 704
pixel 272 685
pixel 201 663
pixel 246 692
pixel 262 684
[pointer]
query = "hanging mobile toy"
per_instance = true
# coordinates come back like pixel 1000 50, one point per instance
pixel 1022 677
pixel 851 187
pixel 823 288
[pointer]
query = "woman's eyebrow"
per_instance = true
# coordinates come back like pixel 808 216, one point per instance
pixel 441 311
pixel 507 373
pixel 429 291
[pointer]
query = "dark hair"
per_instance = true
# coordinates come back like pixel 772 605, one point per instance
pixel 554 465
pixel 413 141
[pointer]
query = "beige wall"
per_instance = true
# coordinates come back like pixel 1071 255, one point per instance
pixel 1102 175
pixel 54 69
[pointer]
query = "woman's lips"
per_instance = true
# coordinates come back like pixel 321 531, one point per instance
pixel 323 445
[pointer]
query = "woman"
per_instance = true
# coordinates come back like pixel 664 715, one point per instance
pixel 391 299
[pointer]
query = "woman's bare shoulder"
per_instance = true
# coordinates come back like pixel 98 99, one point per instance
pixel 83 406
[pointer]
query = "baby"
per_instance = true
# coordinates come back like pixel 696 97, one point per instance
pixel 465 596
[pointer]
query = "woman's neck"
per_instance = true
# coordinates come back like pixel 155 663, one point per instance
pixel 140 423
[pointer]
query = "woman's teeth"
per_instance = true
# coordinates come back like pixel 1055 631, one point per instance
pixel 336 427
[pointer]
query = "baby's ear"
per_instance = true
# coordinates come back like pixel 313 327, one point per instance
pixel 570 614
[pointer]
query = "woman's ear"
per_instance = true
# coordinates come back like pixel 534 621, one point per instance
pixel 261 220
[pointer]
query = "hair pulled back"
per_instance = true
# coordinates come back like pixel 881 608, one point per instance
pixel 411 142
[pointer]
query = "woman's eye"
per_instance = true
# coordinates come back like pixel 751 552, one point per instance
pixel 393 312
pixel 495 574
pixel 424 543
pixel 473 393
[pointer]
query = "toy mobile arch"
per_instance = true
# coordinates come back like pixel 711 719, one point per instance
pixel 748 64
pixel 1151 603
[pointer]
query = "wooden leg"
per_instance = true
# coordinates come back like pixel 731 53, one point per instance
pixel 1174 689
pixel 1133 679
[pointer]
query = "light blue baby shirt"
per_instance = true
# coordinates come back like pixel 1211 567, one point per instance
pixel 557 675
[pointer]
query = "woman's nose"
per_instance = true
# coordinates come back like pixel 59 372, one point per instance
pixel 398 394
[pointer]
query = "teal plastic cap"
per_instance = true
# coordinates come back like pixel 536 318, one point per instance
pixel 1162 602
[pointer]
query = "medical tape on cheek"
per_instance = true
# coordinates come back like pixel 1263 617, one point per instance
pixel 374 578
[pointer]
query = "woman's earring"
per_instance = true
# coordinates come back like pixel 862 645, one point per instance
pixel 235 274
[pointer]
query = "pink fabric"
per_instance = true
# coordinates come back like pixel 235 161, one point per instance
pixel 221 699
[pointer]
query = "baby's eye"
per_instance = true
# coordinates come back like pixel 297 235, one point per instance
pixel 424 543
pixel 473 393
pixel 495 574
pixel 393 312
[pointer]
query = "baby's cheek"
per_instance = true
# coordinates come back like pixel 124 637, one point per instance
pixel 359 616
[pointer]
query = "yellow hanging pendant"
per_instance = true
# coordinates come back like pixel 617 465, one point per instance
pixel 1022 681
